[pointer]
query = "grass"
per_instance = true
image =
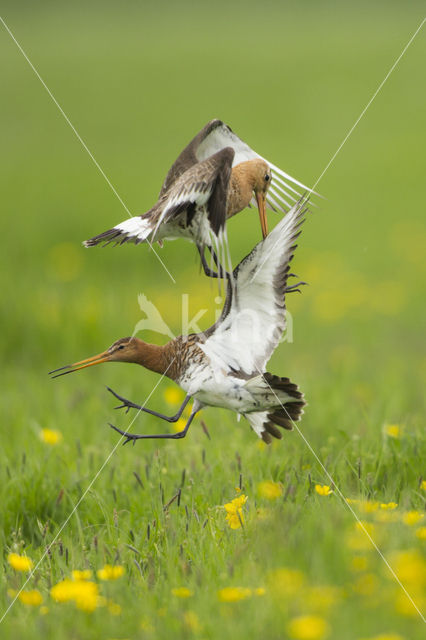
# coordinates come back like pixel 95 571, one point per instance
pixel 138 83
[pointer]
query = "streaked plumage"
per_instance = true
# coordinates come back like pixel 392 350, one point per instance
pixel 225 365
pixel 216 176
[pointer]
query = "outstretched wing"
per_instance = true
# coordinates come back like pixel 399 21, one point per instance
pixel 216 135
pixel 253 318
pixel 203 184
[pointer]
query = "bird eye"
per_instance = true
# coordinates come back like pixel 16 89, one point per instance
pixel 267 177
pixel 121 346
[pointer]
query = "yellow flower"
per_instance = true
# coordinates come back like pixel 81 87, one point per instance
pixel 259 591
pixel 359 563
pixel 285 582
pixel 367 506
pixel 323 490
pixel 31 598
pixel 393 430
pixel 182 592
pixel 269 490
pixel 404 605
pixel 409 566
pixel 352 501
pixel 233 594
pixel 234 511
pixel 173 395
pixel 412 517
pixel 44 610
pixel 85 594
pixel 421 533
pixel 423 485
pixel 110 573
pixel 114 608
pixel 366 584
pixel 50 436
pixel 358 540
pixel 321 597
pixel 179 425
pixel 191 621
pixel 307 628
pixel 86 574
pixel 388 505
pixel 20 563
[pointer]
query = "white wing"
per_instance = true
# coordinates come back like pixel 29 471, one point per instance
pixel 253 318
pixel 281 194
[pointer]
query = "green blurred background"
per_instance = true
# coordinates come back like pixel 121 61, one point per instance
pixel 138 80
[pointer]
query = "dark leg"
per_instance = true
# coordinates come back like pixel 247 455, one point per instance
pixel 209 272
pixel 131 405
pixel 171 436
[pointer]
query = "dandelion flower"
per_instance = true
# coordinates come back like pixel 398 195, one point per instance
pixel 423 485
pixel 393 431
pixel 259 591
pixel 191 621
pixel 20 563
pixel 50 436
pixel 307 628
pixel 389 505
pixel 421 533
pixel 173 395
pixel 114 608
pixel 86 574
pixel 31 598
pixel 109 572
pixel 182 592
pixel 269 490
pixel 412 517
pixel 85 594
pixel 323 489
pixel 233 594
pixel 234 511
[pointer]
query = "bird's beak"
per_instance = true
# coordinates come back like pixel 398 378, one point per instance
pixel 261 205
pixel 89 362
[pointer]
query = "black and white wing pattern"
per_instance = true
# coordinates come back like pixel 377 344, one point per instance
pixel 253 318
pixel 216 135
pixel 204 183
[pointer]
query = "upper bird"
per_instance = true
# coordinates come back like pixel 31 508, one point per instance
pixel 216 176
pixel 225 365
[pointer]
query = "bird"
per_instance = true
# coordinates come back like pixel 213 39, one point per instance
pixel 216 176
pixel 225 366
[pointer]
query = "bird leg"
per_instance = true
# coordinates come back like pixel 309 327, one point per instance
pixel 209 272
pixel 131 405
pixel 172 436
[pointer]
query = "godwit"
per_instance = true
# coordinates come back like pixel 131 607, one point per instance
pixel 216 176
pixel 225 365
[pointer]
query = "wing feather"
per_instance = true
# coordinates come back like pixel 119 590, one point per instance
pixel 253 318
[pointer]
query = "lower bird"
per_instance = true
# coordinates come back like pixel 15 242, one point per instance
pixel 216 176
pixel 224 366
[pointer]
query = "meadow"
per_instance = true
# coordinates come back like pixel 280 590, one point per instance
pixel 136 542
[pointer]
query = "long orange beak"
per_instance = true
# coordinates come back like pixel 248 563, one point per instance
pixel 261 205
pixel 89 362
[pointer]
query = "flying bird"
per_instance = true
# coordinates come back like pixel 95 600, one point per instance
pixel 216 176
pixel 225 365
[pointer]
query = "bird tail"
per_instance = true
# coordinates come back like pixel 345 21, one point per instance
pixel 136 230
pixel 287 410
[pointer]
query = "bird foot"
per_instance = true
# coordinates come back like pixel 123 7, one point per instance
pixel 126 404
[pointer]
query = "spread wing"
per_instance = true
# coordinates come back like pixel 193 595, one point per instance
pixel 204 183
pixel 253 318
pixel 216 135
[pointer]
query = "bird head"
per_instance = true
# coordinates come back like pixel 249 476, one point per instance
pixel 122 350
pixel 261 179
